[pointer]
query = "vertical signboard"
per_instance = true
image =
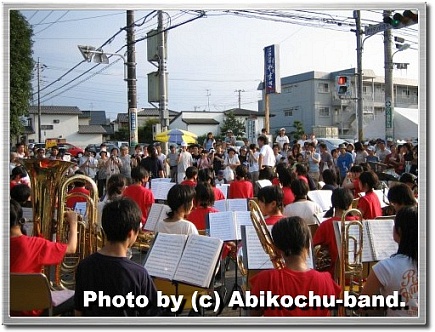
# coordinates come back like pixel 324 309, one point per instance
pixel 272 79
pixel 133 127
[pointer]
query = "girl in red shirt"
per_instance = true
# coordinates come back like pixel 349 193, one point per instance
pixel 204 199
pixel 369 204
pixel 241 187
pixel 270 202
pixel 292 238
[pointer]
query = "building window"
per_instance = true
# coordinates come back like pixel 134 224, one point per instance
pixel 323 87
pixel 405 93
pixel 287 89
pixel 288 112
pixel 324 111
pixel 365 90
pixel 56 121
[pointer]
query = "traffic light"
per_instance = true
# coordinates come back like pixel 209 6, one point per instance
pixel 342 84
pixel 402 20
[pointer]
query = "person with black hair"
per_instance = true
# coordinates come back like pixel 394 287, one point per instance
pixel 292 239
pixel 79 188
pixel 116 185
pixel 21 193
pixel 330 179
pixel 180 200
pixel 400 271
pixel 152 163
pixel 110 271
pixel 352 181
pixel 204 200
pixel 270 201
pixel 137 191
pixel 285 177
pixel 191 177
pixel 18 176
pixel 411 181
pixel 369 204
pixel 207 175
pixel 302 206
pixel 400 195
pixel 341 200
pixel 241 187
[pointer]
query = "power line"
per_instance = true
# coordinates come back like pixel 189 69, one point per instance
pixel 52 23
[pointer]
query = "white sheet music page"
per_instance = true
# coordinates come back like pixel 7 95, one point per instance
pixel 160 189
pixel 242 218
pixel 367 250
pixel 237 204
pixel 381 233
pixel 321 197
pixel 221 205
pixel 155 214
pixel 165 255
pixel 224 188
pixel 223 226
pixel 198 262
pixel 256 257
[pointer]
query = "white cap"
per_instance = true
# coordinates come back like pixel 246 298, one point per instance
pixel 282 129
pixel 183 144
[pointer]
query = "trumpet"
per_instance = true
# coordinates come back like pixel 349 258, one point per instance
pixel 264 235
pixel 351 266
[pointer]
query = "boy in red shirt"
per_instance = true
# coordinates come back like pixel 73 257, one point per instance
pixel 241 187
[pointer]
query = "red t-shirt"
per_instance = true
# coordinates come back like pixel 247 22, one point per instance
pixel 142 196
pixel 199 215
pixel 325 235
pixel 218 194
pixel 189 183
pixel 293 283
pixel 370 206
pixel 71 202
pixel 357 188
pixel 30 253
pixel 272 220
pixel 289 197
pixel 241 189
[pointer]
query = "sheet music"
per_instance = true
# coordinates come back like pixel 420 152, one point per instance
pixel 198 262
pixel 80 208
pixel 242 218
pixel 381 234
pixel 221 205
pixel 223 226
pixel 237 204
pixel 160 189
pixel 254 256
pixel 164 255
pixel 263 183
pixel 321 197
pixel 157 212
pixel 224 188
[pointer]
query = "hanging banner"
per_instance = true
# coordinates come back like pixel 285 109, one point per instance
pixel 272 78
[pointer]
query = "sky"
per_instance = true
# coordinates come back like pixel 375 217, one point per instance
pixel 210 61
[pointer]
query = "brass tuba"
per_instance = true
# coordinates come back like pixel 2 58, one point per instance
pixel 351 266
pixel 49 196
pixel 264 235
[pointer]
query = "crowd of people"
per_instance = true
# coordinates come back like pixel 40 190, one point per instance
pixel 351 172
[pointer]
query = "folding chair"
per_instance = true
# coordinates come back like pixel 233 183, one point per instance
pixel 30 291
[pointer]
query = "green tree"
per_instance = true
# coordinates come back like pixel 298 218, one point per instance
pixel 21 67
pixel 299 130
pixel 145 133
pixel 236 125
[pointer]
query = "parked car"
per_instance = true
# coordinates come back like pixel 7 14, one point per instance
pixel 331 143
pixel 75 151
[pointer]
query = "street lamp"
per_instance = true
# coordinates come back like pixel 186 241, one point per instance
pixel 99 56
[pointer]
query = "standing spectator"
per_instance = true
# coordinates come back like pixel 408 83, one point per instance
pixel 194 151
pixel 144 197
pixel 171 160
pixel 162 158
pixel 126 162
pixel 218 159
pixel 266 157
pixel 393 160
pixel 276 153
pixel 282 138
pixel 360 153
pixel 230 139
pixel 326 161
pixel 204 162
pixel 382 151
pixel 102 174
pixel 220 178
pixel 369 204
pixel 137 156
pixel 302 140
pixel 110 271
pixel 313 160
pixel 152 163
pixel 344 162
pixel 114 164
pixel 241 187
pixel 253 163
pixel 232 160
pixel 209 142
pixel 54 153
pixel 21 150
pixel 184 161
pixel 351 149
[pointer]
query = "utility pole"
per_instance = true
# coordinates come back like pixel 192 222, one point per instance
pixel 389 100
pixel 240 97
pixel 359 76
pixel 163 98
pixel 131 81
pixel 39 100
